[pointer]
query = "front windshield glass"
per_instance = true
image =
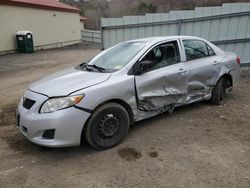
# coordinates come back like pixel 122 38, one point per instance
pixel 117 57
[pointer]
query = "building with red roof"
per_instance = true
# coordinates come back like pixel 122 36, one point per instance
pixel 52 23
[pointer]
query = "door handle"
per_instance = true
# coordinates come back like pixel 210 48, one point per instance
pixel 216 63
pixel 181 70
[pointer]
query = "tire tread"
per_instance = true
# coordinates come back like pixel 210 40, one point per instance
pixel 216 92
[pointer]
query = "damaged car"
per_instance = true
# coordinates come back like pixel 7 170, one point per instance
pixel 98 100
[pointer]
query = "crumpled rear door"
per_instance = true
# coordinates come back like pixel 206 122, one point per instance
pixel 203 66
pixel 202 76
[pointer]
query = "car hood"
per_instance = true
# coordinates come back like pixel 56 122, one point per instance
pixel 67 81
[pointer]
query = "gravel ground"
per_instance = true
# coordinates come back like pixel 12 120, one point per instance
pixel 199 145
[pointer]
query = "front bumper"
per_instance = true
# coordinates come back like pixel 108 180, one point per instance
pixel 67 123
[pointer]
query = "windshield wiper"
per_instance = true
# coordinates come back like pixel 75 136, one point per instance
pixel 100 69
pixel 83 66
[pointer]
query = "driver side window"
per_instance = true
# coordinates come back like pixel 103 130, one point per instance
pixel 163 55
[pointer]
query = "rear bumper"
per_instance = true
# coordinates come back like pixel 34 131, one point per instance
pixel 67 124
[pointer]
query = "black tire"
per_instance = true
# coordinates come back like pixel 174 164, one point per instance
pixel 107 126
pixel 219 91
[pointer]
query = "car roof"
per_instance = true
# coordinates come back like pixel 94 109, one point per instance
pixel 163 38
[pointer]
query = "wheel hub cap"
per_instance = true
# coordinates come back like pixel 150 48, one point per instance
pixel 108 126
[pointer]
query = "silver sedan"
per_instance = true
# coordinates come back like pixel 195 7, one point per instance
pixel 98 100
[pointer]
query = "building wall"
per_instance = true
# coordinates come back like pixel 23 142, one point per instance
pixel 50 28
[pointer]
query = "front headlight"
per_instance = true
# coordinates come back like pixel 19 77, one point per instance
pixel 55 104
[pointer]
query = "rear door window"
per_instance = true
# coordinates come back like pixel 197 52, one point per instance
pixel 196 49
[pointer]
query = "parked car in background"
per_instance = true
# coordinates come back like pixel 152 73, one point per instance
pixel 100 99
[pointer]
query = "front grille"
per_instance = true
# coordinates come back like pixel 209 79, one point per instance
pixel 28 103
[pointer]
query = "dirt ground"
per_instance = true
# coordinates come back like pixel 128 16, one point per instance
pixel 199 145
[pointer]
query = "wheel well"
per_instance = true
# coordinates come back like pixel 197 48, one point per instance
pixel 229 78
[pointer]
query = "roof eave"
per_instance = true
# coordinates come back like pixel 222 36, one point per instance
pixel 23 4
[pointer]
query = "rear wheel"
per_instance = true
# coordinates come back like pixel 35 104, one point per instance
pixel 219 91
pixel 107 126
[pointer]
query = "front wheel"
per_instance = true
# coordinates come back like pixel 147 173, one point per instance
pixel 219 91
pixel 107 126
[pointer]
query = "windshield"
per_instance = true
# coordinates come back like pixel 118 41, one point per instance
pixel 117 57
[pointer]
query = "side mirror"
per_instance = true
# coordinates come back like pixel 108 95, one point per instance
pixel 142 66
pixel 145 65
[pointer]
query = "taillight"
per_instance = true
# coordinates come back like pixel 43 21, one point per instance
pixel 238 60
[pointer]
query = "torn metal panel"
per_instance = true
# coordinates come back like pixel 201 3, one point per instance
pixel 196 96
pixel 149 104
pixel 147 109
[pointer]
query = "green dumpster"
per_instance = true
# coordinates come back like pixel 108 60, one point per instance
pixel 24 41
